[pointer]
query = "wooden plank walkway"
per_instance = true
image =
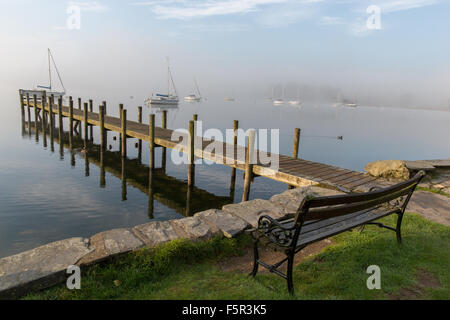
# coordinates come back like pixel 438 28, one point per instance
pixel 293 171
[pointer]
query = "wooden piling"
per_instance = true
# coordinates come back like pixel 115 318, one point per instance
pixel 104 105
pixel 60 115
pixel 151 142
pixel 295 146
pixel 101 118
pixel 124 132
pixel 29 114
pixel 79 103
pixel 91 127
pixel 124 178
pixel 140 140
pixel 70 123
pixel 50 111
pixel 85 113
pixel 233 170
pixel 249 165
pixel 35 111
pixel 164 150
pixel 150 194
pixel 191 156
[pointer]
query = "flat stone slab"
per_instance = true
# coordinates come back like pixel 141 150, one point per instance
pixel 119 241
pixel 418 165
pixel 193 228
pixel 156 232
pixel 218 220
pixel 40 267
pixel 290 200
pixel 432 206
pixel 250 211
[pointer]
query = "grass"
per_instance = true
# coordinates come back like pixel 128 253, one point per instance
pixel 433 190
pixel 187 270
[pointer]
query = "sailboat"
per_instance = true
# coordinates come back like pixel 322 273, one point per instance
pixel 48 89
pixel 296 102
pixel 165 99
pixel 279 101
pixel 194 97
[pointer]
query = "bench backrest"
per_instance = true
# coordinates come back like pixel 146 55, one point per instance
pixel 318 208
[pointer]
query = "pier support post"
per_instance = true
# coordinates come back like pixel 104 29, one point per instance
pixel 43 102
pixel 151 142
pixel 91 127
pixel 249 165
pixel 233 170
pixel 191 155
pixel 85 126
pixel 101 118
pixel 79 103
pixel 35 112
pixel 124 133
pixel 164 150
pixel 120 135
pixel 22 108
pixel 140 140
pixel 60 129
pixel 52 122
pixel 104 105
pixel 70 123
pixel 295 146
pixel 29 114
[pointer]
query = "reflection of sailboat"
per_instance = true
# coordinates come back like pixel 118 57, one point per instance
pixel 279 101
pixel 194 97
pixel 343 102
pixel 48 89
pixel 165 99
pixel 296 102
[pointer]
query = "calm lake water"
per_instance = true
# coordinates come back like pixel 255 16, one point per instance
pixel 48 193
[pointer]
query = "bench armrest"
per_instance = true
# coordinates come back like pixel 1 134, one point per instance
pixel 276 231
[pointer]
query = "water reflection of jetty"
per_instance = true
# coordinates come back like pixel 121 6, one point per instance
pixel 159 186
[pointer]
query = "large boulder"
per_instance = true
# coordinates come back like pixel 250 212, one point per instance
pixel 388 169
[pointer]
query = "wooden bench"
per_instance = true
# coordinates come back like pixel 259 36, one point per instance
pixel 318 218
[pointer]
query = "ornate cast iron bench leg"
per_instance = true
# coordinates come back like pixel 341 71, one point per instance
pixel 255 258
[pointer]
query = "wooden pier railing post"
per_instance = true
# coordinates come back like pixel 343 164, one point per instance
pixel 35 112
pixel 29 114
pixel 22 108
pixel 101 118
pixel 151 142
pixel 43 102
pixel 124 133
pixel 233 170
pixel 104 105
pixel 85 113
pixel 79 103
pixel 140 140
pixel 191 155
pixel 295 146
pixel 91 127
pixel 50 111
pixel 70 123
pixel 164 150
pixel 60 115
pixel 120 135
pixel 249 165
pixel 29 111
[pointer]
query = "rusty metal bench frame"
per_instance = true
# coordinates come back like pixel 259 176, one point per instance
pixel 318 218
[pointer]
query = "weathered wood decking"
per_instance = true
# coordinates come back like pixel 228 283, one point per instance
pixel 292 171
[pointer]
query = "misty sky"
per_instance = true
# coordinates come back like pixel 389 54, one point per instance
pixel 231 46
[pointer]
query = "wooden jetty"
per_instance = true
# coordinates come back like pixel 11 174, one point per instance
pixel 292 170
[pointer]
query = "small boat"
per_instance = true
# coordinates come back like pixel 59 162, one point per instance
pixel 296 102
pixel 279 101
pixel 196 96
pixel 229 99
pixel 48 89
pixel 165 99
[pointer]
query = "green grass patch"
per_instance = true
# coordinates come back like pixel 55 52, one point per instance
pixel 186 270
pixel 433 190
